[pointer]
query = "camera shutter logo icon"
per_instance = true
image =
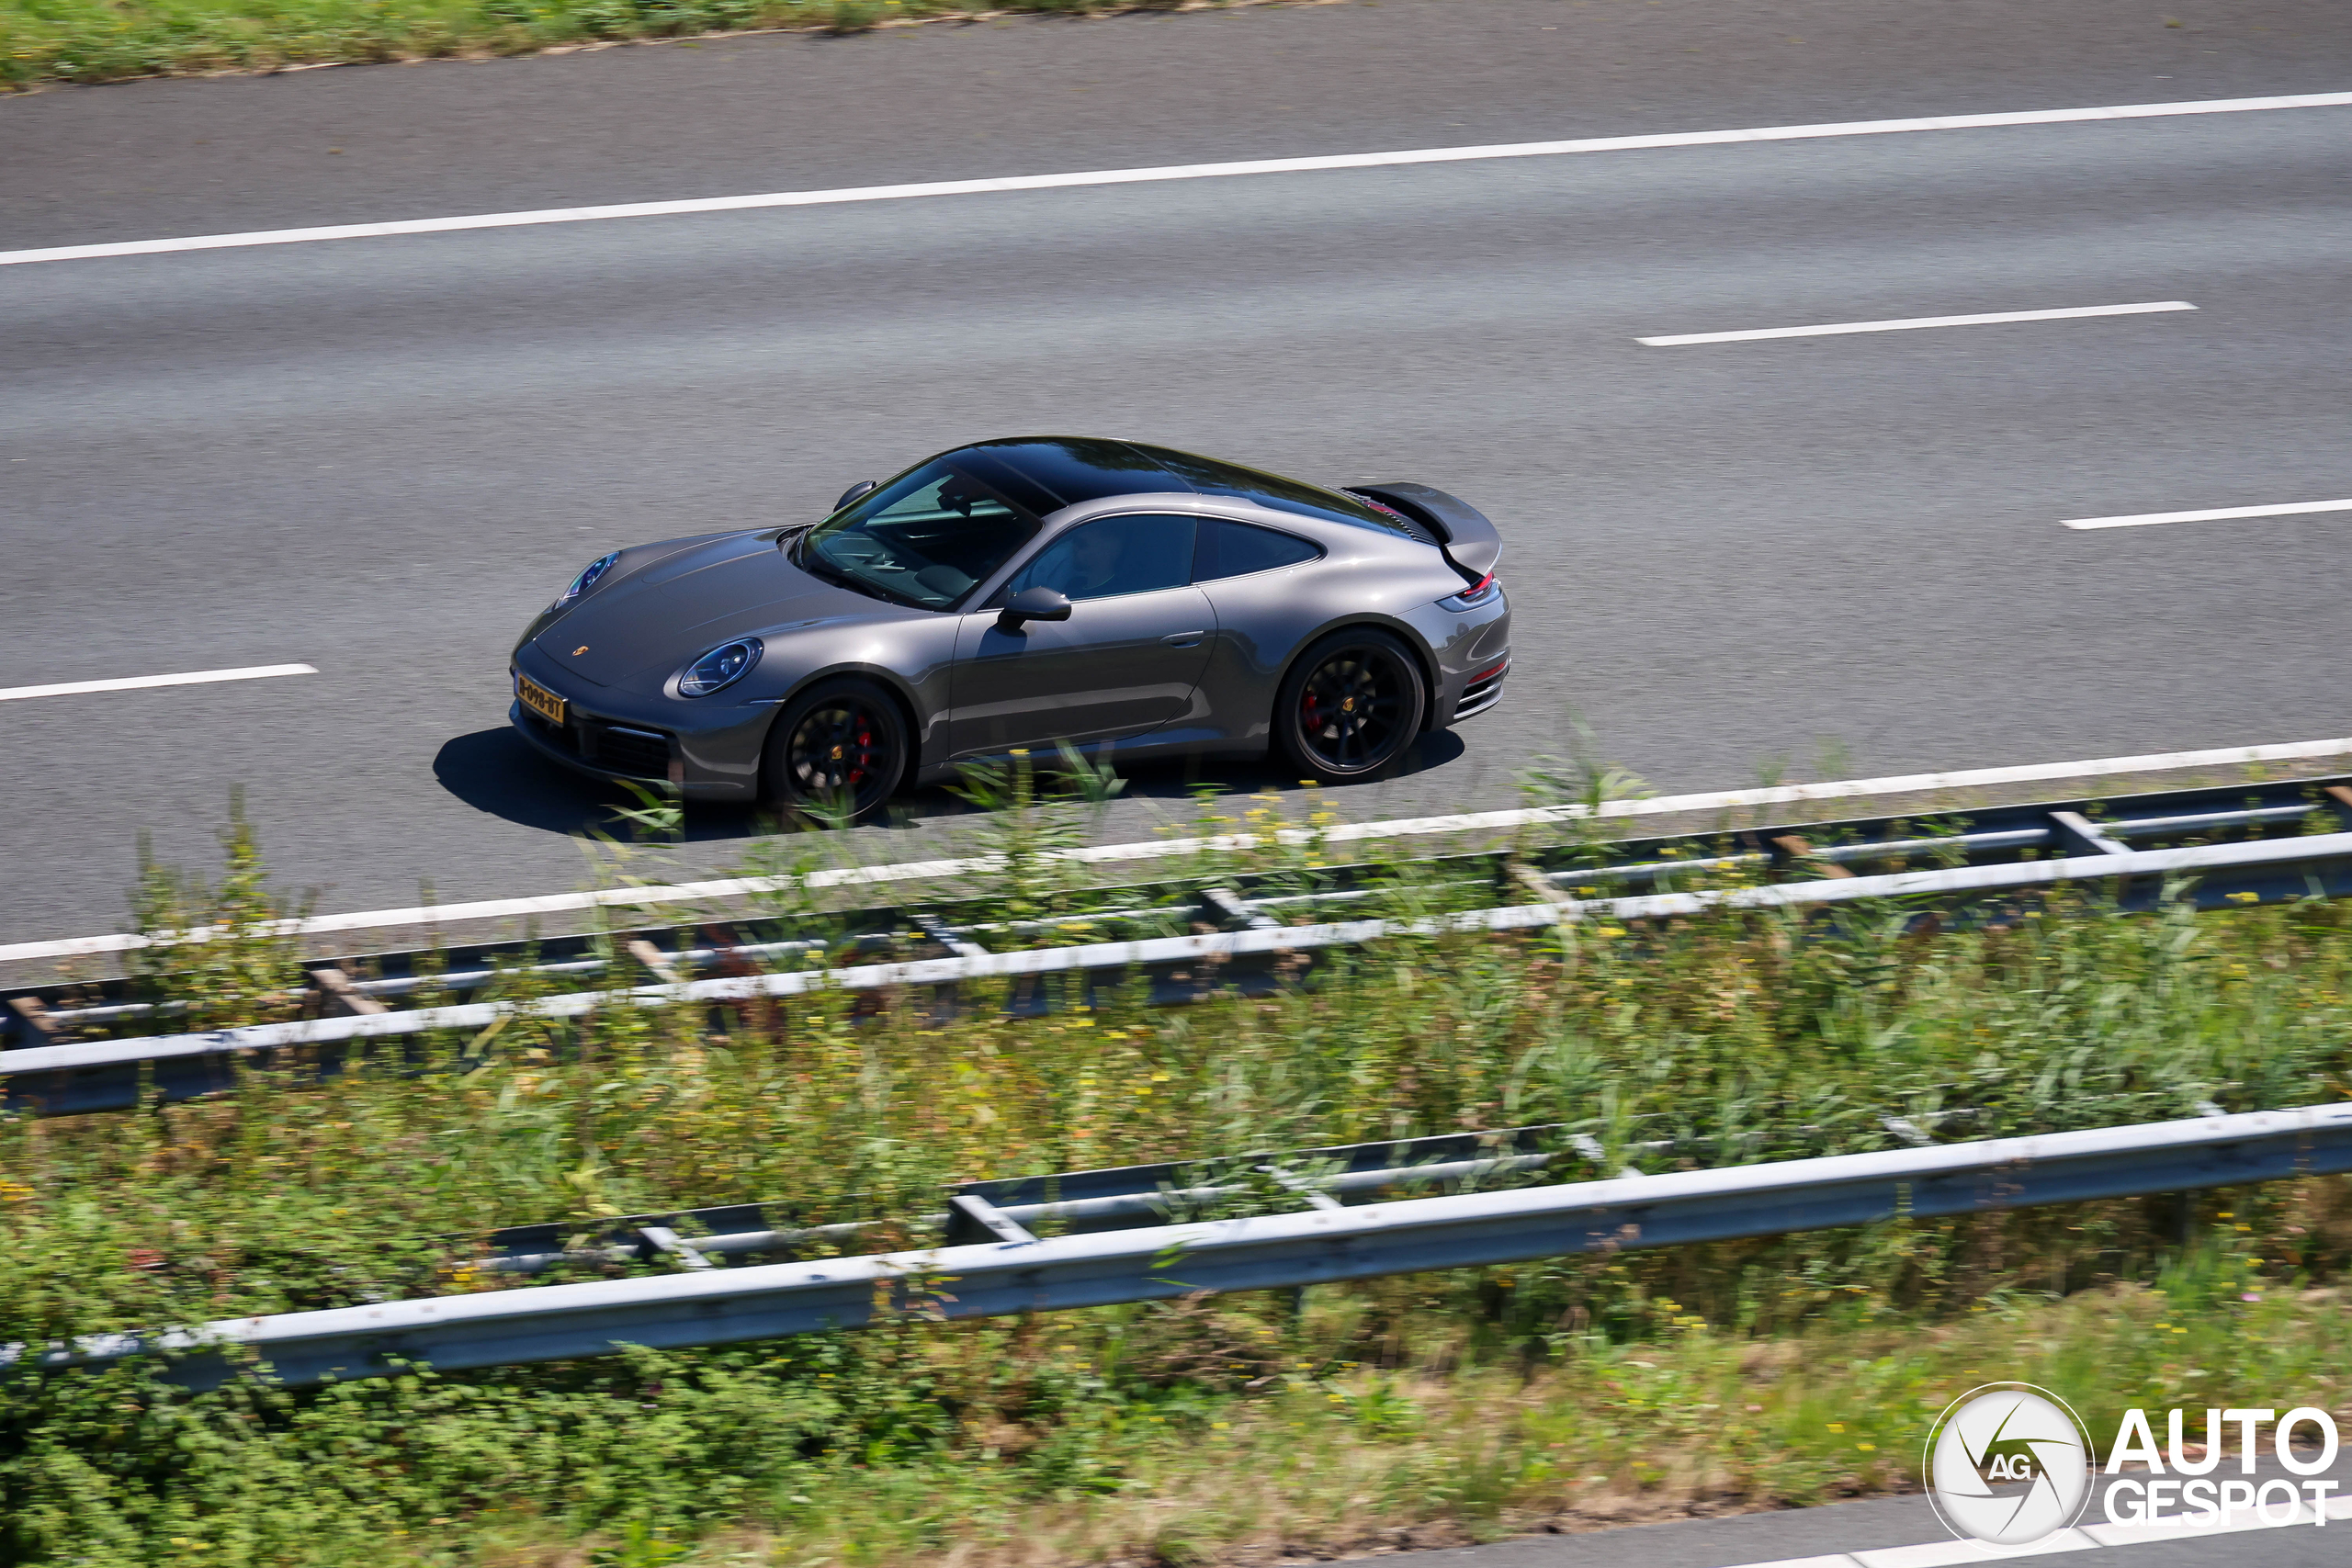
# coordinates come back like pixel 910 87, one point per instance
pixel 2009 1464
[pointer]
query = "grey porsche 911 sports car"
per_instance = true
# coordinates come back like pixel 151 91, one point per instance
pixel 1133 601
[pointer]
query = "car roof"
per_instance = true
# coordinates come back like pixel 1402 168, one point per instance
pixel 1044 473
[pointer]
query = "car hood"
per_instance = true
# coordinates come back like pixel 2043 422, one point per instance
pixel 636 632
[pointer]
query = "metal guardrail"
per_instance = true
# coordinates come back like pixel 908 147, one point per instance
pixel 1122 1196
pixel 1324 1244
pixel 105 1075
pixel 1722 804
pixel 2080 842
pixel 1114 1198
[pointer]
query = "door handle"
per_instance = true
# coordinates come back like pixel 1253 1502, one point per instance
pixel 1183 639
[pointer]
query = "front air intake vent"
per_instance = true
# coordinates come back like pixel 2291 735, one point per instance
pixel 639 753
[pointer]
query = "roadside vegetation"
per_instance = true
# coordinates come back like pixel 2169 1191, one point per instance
pixel 113 41
pixel 1570 1393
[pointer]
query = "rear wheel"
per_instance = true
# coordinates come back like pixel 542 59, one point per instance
pixel 836 753
pixel 1350 706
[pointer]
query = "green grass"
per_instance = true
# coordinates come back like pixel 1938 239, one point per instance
pixel 111 40
pixel 1187 1434
pixel 1740 1374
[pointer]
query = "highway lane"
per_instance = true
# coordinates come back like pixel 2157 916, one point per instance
pixel 1013 96
pixel 377 456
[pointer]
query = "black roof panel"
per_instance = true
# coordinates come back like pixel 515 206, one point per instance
pixel 1077 467
pixel 1045 472
pixel 1214 475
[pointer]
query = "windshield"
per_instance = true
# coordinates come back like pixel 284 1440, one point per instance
pixel 924 539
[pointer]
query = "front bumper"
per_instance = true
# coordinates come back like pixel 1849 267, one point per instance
pixel 614 752
pixel 705 753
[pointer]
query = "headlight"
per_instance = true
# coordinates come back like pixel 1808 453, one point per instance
pixel 585 580
pixel 722 666
pixel 1478 593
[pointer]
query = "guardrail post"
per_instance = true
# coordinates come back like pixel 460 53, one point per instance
pixel 940 932
pixel 1542 886
pixel 663 1240
pixel 338 996
pixel 1306 1189
pixel 1908 1130
pixel 995 1221
pixel 1797 849
pixel 1590 1146
pixel 1233 912
pixel 33 1020
pixel 657 963
pixel 2078 835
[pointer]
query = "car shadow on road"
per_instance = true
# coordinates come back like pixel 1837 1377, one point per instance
pixel 1178 781
pixel 495 771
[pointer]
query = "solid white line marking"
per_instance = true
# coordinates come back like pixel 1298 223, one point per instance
pixel 1957 1553
pixel 2150 519
pixel 1405 826
pixel 1914 323
pixel 134 682
pixel 1173 172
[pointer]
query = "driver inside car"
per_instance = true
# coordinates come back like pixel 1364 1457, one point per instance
pixel 1102 561
pixel 1093 564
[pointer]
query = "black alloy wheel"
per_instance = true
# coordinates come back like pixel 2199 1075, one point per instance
pixel 1350 705
pixel 836 754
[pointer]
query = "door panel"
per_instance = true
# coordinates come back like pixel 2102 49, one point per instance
pixel 1117 667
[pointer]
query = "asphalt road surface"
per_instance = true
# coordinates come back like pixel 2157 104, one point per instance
pixel 379 456
pixel 1904 1532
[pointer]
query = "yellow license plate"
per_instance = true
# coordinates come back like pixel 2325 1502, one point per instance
pixel 538 699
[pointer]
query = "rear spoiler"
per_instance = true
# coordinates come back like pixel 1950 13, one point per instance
pixel 1462 532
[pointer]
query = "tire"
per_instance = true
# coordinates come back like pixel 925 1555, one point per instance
pixel 1350 707
pixel 836 753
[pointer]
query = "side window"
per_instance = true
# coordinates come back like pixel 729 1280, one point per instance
pixel 1116 556
pixel 1236 549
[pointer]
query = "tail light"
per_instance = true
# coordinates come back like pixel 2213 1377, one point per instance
pixel 1479 593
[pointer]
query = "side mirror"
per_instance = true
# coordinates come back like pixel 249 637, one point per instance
pixel 1033 604
pixel 860 488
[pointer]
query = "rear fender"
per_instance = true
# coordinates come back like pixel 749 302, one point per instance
pixel 1415 643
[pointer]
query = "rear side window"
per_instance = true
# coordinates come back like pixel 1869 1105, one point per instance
pixel 1236 549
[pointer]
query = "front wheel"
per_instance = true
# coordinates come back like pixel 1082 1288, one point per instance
pixel 1350 706
pixel 836 754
